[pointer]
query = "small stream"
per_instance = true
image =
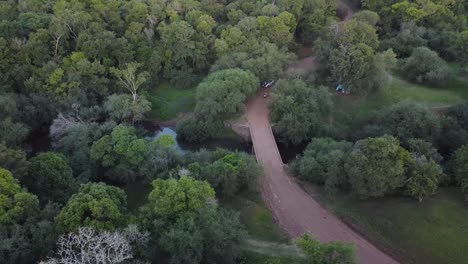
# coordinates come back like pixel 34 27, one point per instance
pixel 233 144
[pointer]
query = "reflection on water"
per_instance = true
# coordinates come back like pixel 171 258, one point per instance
pixel 137 192
pixel 227 143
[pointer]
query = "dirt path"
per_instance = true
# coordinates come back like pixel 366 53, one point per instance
pixel 296 211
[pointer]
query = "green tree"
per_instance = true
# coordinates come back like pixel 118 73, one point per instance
pixel 266 62
pixel 184 242
pixel 213 235
pixel 323 162
pixel 298 111
pixel 121 151
pixel 229 174
pixel 423 148
pixel 172 198
pixel 326 253
pixel 460 47
pixel 407 120
pixel 223 235
pixel 223 92
pixel 12 133
pixel 279 29
pixel 351 63
pixel 313 24
pixel 14 160
pixel 459 167
pixel 50 177
pixel 423 178
pixel 347 52
pixel 96 205
pixel 121 107
pixel 16 204
pixel 182 51
pixel 130 78
pixel 376 166
pixel 425 66
pixel 31 241
pixel 76 144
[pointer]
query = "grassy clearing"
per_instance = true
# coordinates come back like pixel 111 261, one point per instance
pixel 351 110
pixel 267 243
pixel 168 101
pixel 398 90
pixel 432 232
pixel 257 218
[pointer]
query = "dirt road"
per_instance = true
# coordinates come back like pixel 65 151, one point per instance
pixel 296 211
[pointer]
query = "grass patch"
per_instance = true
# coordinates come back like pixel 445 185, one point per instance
pixel 168 101
pixel 250 257
pixel 432 232
pixel 257 218
pixel 454 92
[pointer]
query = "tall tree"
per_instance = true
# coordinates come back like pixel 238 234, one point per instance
pixel 376 166
pixel 16 204
pixel 96 205
pixel 298 110
pixel 130 78
pixel 223 92
pixel 50 177
pixel 172 198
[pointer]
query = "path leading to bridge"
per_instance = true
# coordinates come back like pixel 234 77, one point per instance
pixel 295 211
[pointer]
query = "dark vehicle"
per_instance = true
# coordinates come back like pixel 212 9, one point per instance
pixel 268 83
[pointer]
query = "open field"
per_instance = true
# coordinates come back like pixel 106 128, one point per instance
pixel 454 92
pixel 168 101
pixel 266 243
pixel 432 232
pixel 352 109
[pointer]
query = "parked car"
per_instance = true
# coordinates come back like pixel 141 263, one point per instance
pixel 268 83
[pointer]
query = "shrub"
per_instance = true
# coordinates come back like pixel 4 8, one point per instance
pixel 425 66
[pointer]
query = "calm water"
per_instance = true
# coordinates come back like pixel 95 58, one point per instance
pixel 137 192
pixel 227 143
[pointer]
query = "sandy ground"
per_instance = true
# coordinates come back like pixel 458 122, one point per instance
pixel 295 211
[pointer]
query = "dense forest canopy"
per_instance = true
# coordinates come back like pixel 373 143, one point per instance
pixel 79 72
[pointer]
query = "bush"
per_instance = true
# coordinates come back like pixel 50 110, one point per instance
pixel 405 120
pixel 459 167
pixel 326 253
pixel 223 92
pixel 299 111
pixel 425 66
pixel 376 166
pixel 51 178
pixel 229 174
pixel 323 163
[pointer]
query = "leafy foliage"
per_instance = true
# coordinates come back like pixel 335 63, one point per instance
pixel 121 151
pixel 425 66
pixel 172 198
pixel 326 253
pixel 223 92
pixel 376 166
pixel 323 162
pixel 96 205
pixel 50 177
pixel 459 167
pixel 16 204
pixel 298 110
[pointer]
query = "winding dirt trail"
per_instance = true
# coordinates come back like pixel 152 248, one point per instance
pixel 296 211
